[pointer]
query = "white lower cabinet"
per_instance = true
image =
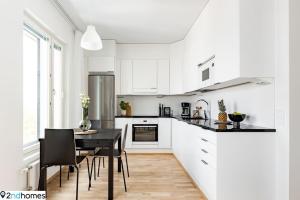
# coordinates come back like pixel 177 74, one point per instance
pixel 227 165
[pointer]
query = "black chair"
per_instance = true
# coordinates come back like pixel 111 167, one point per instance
pixel 105 152
pixel 60 150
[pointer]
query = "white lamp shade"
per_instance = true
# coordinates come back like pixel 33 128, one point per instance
pixel 90 39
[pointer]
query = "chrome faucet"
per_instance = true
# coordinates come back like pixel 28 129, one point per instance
pixel 206 117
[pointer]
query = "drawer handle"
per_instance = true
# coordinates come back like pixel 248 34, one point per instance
pixel 205 140
pixel 203 150
pixel 144 120
pixel 204 162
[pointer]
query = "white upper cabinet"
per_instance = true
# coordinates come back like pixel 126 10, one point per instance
pixel 145 69
pixel 144 76
pixel 176 67
pixel 103 60
pixel 241 36
pixel 163 77
pixel 126 77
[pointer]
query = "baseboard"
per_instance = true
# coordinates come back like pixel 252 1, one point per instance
pixel 149 151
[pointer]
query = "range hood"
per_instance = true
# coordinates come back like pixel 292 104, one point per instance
pixel 230 83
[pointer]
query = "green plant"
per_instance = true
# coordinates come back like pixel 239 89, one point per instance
pixel 222 107
pixel 124 105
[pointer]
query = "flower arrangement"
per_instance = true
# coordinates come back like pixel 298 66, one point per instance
pixel 85 123
pixel 85 100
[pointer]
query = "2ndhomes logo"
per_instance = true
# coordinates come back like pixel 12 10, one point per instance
pixel 22 195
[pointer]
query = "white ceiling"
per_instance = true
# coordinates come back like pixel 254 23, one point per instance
pixel 136 21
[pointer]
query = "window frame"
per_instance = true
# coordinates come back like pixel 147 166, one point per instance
pixel 41 32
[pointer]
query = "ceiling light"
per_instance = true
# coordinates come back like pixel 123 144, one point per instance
pixel 90 39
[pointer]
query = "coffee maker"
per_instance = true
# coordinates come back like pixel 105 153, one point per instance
pixel 186 110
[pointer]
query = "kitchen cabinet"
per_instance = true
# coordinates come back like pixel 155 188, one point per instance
pixel 164 133
pixel 241 41
pixel 229 165
pixel 121 123
pixel 126 77
pixel 101 64
pixel 176 67
pixel 144 76
pixel 104 60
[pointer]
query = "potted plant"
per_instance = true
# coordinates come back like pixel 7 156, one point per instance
pixel 123 106
pixel 222 117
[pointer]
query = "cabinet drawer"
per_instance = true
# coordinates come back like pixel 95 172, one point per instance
pixel 208 181
pixel 208 137
pixel 208 159
pixel 208 147
pixel 145 121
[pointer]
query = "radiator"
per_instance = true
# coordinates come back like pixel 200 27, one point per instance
pixel 31 173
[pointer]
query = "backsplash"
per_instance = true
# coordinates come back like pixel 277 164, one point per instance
pixel 257 101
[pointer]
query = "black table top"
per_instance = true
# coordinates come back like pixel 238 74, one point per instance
pixel 102 134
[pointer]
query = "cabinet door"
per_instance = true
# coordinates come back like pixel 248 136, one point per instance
pixel 164 133
pixel 120 123
pixel 101 64
pixel 163 77
pixel 144 78
pixel 126 76
pixel 176 67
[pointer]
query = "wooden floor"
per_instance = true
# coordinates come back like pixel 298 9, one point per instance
pixel 151 177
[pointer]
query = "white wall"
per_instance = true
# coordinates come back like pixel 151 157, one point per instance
pixel 143 51
pixel 257 101
pixel 282 98
pixel 294 99
pixel 11 20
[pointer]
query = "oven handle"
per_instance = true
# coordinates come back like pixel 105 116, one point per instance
pixel 139 126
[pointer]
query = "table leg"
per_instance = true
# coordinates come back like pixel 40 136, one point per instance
pixel 111 173
pixel 119 148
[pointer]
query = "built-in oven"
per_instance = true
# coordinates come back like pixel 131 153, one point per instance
pixel 145 133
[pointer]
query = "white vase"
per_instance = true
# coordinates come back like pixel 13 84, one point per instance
pixel 123 112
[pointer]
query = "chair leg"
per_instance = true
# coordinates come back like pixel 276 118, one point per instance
pixel 123 176
pixel 68 172
pixel 91 173
pixel 77 182
pixel 95 169
pixel 99 166
pixel 60 176
pixel 103 162
pixel 88 166
pixel 126 163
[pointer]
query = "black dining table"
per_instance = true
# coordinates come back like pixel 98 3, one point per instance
pixel 103 138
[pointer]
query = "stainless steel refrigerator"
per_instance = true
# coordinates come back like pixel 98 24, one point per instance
pixel 101 89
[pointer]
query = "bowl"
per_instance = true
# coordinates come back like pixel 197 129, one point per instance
pixel 237 118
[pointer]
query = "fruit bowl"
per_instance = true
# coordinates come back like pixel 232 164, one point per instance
pixel 236 118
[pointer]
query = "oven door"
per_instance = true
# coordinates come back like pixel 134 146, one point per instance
pixel 145 133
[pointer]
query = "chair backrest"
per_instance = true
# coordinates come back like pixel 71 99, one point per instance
pixel 59 146
pixel 124 137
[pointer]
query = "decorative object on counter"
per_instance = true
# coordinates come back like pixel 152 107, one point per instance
pixel 196 112
pixel 128 110
pixel 124 106
pixel 167 111
pixel 85 124
pixel 237 118
pixel 222 116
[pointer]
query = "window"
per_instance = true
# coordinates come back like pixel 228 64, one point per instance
pixel 42 84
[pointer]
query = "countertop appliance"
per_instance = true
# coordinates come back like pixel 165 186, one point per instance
pixel 102 106
pixel 186 110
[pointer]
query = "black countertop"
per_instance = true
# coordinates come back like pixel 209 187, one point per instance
pixel 211 125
